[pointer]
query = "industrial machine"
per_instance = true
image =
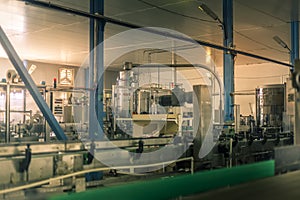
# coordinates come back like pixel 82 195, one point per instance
pixel 148 110
pixel 250 140
pixel 139 117
pixel 20 119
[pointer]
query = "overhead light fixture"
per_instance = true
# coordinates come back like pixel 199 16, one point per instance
pixel 281 42
pixel 209 12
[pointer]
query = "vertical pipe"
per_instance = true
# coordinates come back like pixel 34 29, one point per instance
pixel 173 62
pixel 228 59
pixel 24 105
pixel 7 114
pixel 230 152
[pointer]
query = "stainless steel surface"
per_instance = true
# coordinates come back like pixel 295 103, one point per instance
pixel 202 115
pixel 270 105
pixel 204 109
pixel 41 167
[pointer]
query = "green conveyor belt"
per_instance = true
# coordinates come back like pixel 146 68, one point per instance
pixel 171 188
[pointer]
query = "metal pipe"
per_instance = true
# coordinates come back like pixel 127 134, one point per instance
pixel 230 152
pixel 241 93
pixel 7 114
pixel 173 61
pixel 31 86
pixel 166 34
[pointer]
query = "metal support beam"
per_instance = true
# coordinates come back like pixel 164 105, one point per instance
pixel 30 85
pixel 228 74
pixel 294 42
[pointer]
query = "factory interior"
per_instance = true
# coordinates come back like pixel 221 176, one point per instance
pixel 149 99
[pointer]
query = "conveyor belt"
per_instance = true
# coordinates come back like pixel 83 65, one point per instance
pixel 282 187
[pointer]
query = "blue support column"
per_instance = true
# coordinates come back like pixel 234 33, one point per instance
pixel 294 42
pixel 92 83
pixel 96 69
pixel 228 74
pixel 100 24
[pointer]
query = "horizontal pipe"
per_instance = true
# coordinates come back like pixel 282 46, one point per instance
pixel 241 93
pixel 151 30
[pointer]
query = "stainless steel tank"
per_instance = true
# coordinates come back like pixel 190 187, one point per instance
pixel 123 94
pixel 270 105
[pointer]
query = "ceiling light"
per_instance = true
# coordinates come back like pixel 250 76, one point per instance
pixel 208 11
pixel 204 8
pixel 281 42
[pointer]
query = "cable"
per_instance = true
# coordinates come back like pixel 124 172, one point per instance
pixel 260 11
pixel 195 18
pixel 253 40
pixel 174 12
